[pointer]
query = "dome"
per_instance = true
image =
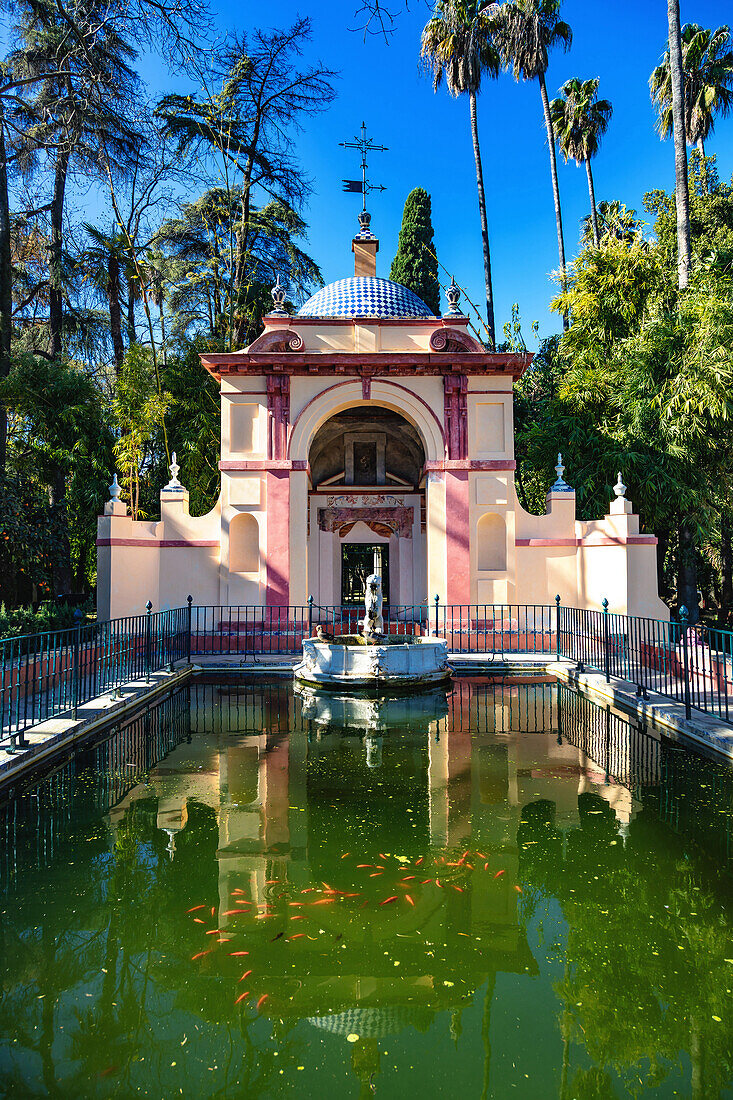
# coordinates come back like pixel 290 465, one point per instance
pixel 364 296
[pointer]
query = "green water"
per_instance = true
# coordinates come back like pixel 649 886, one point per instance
pixel 562 922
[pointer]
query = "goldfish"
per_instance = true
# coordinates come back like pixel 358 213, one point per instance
pixel 458 888
pixel 197 920
pixel 375 874
pixel 195 907
pixel 236 954
pixel 323 901
pixel 344 856
pixel 419 861
pixel 297 936
pixel 200 955
pixel 388 900
pixel 299 916
pixel 262 1000
pixel 499 874
pixel 408 878
pixel 439 883
pixel 241 997
pixel 245 975
pixel 518 889
pixel 408 898
pixel 231 912
pixel 486 866
pixel 364 865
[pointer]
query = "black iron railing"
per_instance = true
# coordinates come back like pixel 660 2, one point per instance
pixel 55 672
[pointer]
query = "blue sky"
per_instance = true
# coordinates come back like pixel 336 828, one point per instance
pixel 429 141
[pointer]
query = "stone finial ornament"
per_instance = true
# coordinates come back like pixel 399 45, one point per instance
pixel 175 469
pixel 278 297
pixel 114 490
pixel 561 486
pixel 453 295
pixel 619 488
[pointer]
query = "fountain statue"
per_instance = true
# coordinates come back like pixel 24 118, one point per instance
pixel 373 622
pixel 373 659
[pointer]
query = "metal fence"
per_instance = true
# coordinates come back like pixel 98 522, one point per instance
pixel 693 665
pixel 55 672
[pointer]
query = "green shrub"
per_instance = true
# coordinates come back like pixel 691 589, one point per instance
pixel 49 616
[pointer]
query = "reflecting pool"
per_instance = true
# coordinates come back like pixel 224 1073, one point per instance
pixel 254 891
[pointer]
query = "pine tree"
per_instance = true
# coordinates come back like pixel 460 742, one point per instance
pixel 415 265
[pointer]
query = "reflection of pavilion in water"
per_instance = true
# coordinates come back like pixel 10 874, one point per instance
pixel 430 774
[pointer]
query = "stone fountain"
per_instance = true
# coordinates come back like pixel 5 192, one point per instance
pixel 373 659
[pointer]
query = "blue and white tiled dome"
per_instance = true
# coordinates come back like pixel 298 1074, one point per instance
pixel 364 296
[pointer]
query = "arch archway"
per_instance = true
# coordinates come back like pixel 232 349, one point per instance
pixel 366 458
pixel 349 395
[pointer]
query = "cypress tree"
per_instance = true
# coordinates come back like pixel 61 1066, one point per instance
pixel 414 266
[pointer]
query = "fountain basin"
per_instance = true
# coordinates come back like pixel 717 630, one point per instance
pixel 398 663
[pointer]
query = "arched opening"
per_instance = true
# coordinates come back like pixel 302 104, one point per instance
pixel 491 543
pixel 367 446
pixel 366 508
pixel 244 544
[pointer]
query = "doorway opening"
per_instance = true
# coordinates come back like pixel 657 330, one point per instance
pixel 358 561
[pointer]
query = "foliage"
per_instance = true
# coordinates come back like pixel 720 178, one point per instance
pixel 139 408
pixel 457 44
pixel 415 265
pixel 48 616
pixel 707 68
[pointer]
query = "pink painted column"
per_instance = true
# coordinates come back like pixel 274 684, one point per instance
pixel 457 536
pixel 278 538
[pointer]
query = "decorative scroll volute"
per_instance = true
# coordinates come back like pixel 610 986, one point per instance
pixel 451 339
pixel 279 339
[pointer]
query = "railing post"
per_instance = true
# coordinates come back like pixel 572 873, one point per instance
pixel 76 656
pixel 557 625
pixel 437 601
pixel 310 616
pixel 606 646
pixel 148 654
pixel 684 621
pixel 189 617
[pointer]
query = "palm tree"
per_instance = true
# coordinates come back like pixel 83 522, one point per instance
pixel 457 44
pixel 525 32
pixel 677 98
pixel 707 68
pixel 579 120
pixel 103 263
pixel 614 223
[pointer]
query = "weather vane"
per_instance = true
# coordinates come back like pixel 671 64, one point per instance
pixel 365 146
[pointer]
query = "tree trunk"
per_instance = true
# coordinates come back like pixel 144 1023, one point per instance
pixel 662 547
pixel 6 292
pixel 162 334
pixel 490 322
pixel 555 190
pixel 61 565
pixel 687 572
pixel 726 570
pixel 682 194
pixel 131 330
pixel 55 265
pixel 115 312
pixel 593 210
pixel 701 147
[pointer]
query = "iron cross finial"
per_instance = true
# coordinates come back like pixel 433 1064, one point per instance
pixel 365 145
